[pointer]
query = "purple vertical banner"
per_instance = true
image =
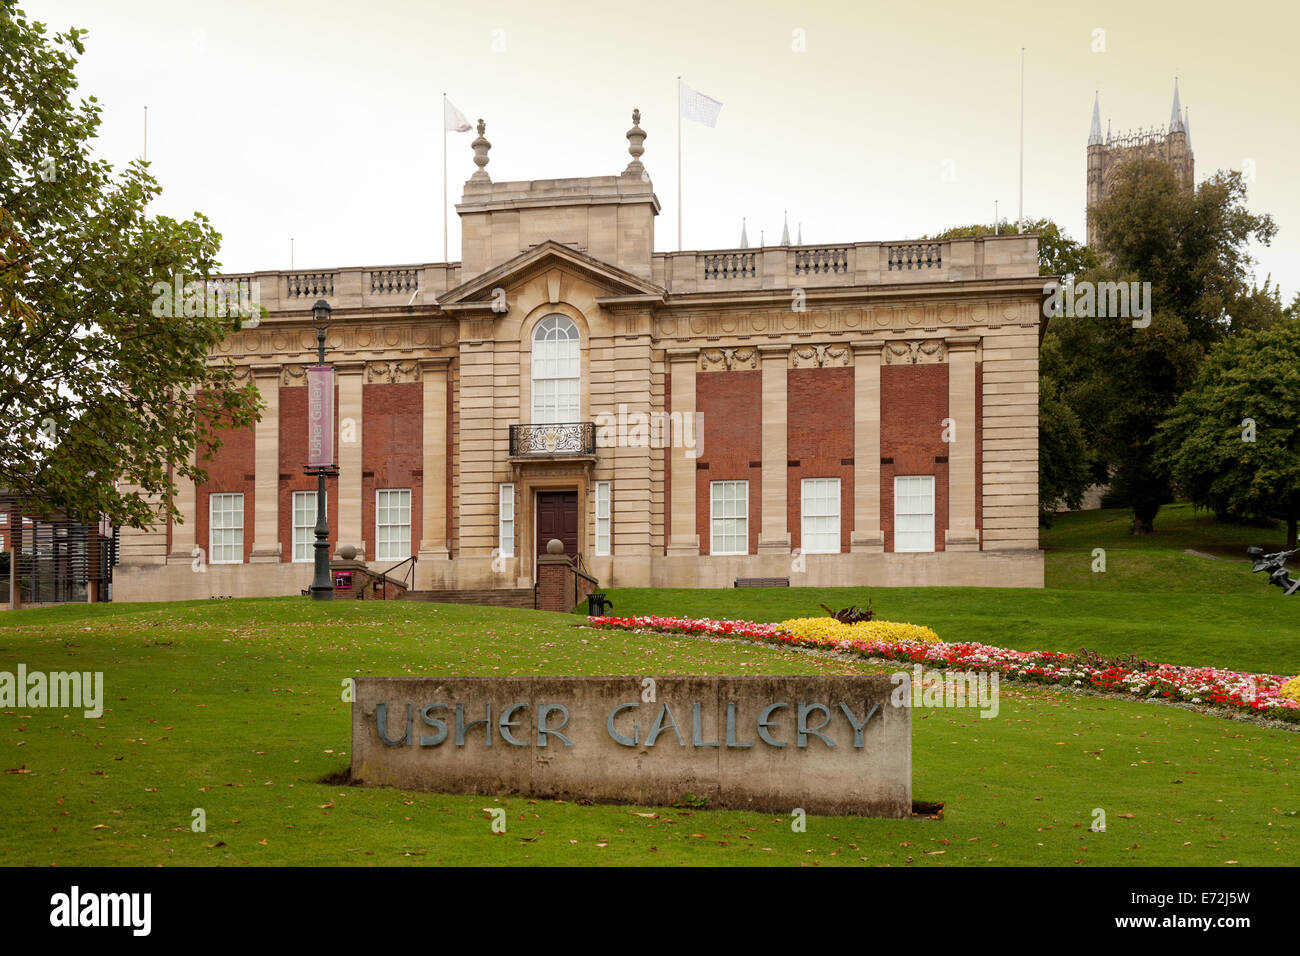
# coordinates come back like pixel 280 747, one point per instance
pixel 320 416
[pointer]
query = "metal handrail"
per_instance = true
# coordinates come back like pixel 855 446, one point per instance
pixel 383 575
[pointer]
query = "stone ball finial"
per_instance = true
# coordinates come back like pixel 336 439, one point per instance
pixel 481 147
pixel 555 546
pixel 347 552
pixel 636 139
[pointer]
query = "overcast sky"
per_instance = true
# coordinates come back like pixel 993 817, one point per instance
pixel 320 120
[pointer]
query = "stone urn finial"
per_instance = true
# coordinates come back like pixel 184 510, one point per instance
pixel 481 147
pixel 636 140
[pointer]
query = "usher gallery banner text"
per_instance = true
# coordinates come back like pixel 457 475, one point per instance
pixel 824 744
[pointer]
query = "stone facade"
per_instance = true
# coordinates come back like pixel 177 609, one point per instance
pixel 838 368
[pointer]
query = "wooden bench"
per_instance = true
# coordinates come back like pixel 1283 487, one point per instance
pixel 762 582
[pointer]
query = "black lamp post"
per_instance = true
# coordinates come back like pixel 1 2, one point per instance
pixel 322 588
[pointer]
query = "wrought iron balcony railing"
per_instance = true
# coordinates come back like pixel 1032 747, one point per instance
pixel 564 438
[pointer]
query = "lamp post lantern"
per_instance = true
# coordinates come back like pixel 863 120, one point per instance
pixel 321 452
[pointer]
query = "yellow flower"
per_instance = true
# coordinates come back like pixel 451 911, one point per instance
pixel 1291 689
pixel 828 630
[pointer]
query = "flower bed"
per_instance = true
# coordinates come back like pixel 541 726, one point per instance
pixel 1268 694
pixel 824 629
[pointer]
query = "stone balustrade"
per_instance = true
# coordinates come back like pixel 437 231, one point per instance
pixel 684 273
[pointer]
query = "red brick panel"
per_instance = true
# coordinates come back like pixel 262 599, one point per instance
pixel 820 439
pixel 392 453
pixel 293 458
pixel 732 405
pixel 553 590
pixel 230 471
pixel 913 405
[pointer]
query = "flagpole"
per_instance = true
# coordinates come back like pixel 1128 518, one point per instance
pixel 679 164
pixel 446 255
pixel 1020 208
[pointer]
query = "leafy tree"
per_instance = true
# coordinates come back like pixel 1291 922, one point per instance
pixel 106 394
pixel 1063 473
pixel 1232 442
pixel 1120 379
pixel 1190 245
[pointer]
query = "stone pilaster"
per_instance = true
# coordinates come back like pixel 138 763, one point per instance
pixel 867 535
pixel 266 468
pixel 962 534
pixel 683 539
pixel 185 536
pixel 351 377
pixel 774 538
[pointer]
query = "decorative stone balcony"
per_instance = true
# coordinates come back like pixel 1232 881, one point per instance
pixel 566 439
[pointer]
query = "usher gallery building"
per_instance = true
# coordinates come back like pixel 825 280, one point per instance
pixel 861 413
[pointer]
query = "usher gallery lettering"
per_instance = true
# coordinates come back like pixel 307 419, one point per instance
pixel 630 724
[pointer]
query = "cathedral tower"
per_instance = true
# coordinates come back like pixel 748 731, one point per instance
pixel 1107 154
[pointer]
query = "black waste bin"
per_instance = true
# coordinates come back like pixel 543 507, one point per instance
pixel 596 604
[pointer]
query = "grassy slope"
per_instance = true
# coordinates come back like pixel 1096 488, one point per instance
pixel 234 706
pixel 1153 599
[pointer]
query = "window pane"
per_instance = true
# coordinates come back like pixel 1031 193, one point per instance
pixel 392 524
pixel 506 521
pixel 729 532
pixel 914 513
pixel 603 531
pixel 226 528
pixel 556 368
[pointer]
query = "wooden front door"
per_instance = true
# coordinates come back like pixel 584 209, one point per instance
pixel 557 517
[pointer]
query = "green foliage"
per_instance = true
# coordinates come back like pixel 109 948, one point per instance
pixel 1063 474
pixel 1120 380
pixel 1190 245
pixel 96 388
pixel 1232 442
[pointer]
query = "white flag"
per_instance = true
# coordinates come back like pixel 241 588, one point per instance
pixel 453 120
pixel 698 107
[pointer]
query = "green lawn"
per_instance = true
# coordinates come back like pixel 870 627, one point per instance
pixel 235 707
pixel 1160 561
pixel 1153 599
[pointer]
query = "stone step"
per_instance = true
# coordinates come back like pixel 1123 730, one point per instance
pixel 488 597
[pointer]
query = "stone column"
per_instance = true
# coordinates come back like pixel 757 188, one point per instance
pixel 683 540
pixel 774 538
pixel 185 536
pixel 433 540
pixel 962 534
pixel 266 468
pixel 867 535
pixel 350 379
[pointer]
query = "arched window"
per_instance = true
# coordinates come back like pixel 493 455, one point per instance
pixel 556 371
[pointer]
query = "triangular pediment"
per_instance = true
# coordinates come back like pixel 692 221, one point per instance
pixel 541 258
